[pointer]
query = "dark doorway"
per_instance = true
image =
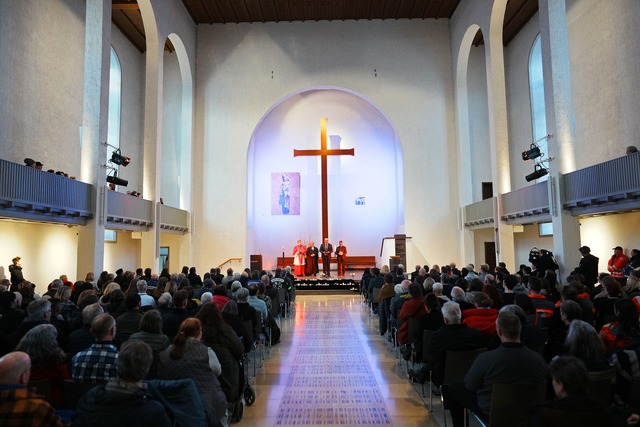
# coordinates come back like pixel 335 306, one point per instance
pixel 490 255
pixel 487 190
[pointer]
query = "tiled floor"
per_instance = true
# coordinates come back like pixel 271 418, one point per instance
pixel 333 368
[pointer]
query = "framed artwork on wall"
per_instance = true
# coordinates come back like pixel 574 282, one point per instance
pixel 285 193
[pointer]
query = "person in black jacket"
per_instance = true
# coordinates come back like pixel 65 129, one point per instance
pixel 588 267
pixel 125 401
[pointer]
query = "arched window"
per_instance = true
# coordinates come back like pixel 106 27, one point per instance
pixel 115 92
pixel 536 90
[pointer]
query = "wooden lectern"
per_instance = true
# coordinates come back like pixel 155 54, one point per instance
pixel 255 262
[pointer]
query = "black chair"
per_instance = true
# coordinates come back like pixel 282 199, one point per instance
pixel 42 387
pixel 601 385
pixel 73 392
pixel 509 408
pixel 426 359
pixel 457 363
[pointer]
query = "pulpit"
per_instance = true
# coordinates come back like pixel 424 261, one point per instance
pixel 255 262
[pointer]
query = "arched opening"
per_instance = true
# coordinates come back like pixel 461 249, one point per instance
pixel 365 191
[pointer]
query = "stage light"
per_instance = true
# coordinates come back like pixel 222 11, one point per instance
pixel 537 173
pixel 117 181
pixel 119 159
pixel 531 153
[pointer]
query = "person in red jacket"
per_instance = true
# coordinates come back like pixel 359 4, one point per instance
pixel 412 308
pixel 483 317
pixel 616 265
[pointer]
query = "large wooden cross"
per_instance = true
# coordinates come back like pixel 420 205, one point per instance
pixel 323 152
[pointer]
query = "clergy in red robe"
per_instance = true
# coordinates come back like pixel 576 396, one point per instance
pixel 299 256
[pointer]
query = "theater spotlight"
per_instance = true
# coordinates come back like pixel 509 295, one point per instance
pixel 532 153
pixel 537 173
pixel 119 159
pixel 117 181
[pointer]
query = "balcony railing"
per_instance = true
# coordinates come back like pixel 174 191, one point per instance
pixel 174 219
pixel 480 214
pixel 125 212
pixel 32 194
pixel 526 204
pixel 606 187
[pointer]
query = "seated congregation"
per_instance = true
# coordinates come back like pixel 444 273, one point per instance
pixel 135 348
pixel 515 349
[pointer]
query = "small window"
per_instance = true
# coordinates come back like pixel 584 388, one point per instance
pixel 545 229
pixel 110 236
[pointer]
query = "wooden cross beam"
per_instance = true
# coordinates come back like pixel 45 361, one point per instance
pixel 323 152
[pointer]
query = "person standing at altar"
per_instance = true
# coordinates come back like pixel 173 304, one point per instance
pixel 341 255
pixel 326 249
pixel 299 255
pixel 312 259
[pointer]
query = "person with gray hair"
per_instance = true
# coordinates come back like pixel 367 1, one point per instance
pixel 145 299
pixel 21 406
pixel 125 400
pixel 438 288
pixel 48 359
pixel 427 284
pixel 397 301
pixel 453 336
pixel 165 302
pixel 584 343
pixel 247 312
pixel 235 286
pixel 39 312
pixel 206 297
pixel 81 339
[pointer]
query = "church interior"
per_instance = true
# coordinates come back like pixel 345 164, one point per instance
pixel 477 130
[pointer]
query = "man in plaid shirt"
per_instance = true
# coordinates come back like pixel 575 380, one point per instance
pixel 98 362
pixel 21 406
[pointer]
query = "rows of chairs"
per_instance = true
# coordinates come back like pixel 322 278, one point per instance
pixel 508 408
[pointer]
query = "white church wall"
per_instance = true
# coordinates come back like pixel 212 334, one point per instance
pixel 132 63
pixel 479 159
pixel 605 67
pixel 403 67
pixel 47 251
pixel 124 253
pixel 171 131
pixel 519 101
pixel 41 65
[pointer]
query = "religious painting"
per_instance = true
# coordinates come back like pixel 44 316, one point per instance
pixel 285 193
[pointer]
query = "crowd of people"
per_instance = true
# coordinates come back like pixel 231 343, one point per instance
pixel 137 336
pixel 530 327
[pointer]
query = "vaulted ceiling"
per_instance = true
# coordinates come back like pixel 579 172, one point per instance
pixel 126 13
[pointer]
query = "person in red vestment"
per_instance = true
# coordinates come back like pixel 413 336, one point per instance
pixel 341 254
pixel 299 257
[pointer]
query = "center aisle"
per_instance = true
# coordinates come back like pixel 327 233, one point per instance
pixel 333 368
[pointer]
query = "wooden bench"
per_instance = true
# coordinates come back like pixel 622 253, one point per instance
pixel 360 262
pixel 351 262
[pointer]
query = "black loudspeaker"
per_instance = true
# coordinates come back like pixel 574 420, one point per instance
pixel 394 262
pixel 255 262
